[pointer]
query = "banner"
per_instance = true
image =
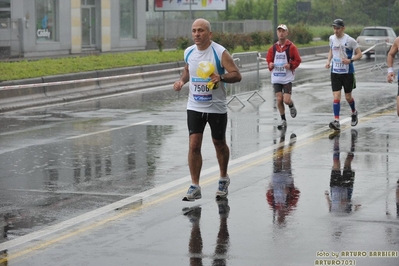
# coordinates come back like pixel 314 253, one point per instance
pixel 186 5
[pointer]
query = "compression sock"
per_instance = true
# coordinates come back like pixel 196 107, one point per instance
pixel 352 105
pixel 336 108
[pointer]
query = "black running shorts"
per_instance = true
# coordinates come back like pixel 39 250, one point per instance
pixel 284 88
pixel 196 123
pixel 347 81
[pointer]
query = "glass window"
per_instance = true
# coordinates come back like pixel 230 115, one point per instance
pixel 46 20
pixel 5 11
pixel 127 19
pixel 5 4
pixel 87 2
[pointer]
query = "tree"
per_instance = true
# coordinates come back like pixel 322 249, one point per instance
pixel 323 12
pixel 248 9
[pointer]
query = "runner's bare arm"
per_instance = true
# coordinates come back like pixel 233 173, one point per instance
pixel 390 60
pixel 184 78
pixel 233 73
pixel 329 59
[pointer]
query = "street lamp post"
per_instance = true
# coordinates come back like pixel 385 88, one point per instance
pixel 191 14
pixel 389 13
pixel 275 20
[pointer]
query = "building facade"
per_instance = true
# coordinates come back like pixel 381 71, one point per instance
pixel 31 28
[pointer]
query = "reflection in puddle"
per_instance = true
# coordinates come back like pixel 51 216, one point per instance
pixel 282 194
pixel 63 179
pixel 195 244
pixel 341 182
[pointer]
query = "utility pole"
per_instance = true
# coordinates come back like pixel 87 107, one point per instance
pixel 275 21
pixel 191 14
pixel 389 13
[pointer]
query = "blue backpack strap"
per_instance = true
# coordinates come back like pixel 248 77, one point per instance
pixel 220 69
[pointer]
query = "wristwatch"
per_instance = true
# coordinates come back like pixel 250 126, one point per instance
pixel 222 77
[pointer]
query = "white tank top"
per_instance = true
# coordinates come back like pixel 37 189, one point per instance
pixel 280 75
pixel 342 48
pixel 201 98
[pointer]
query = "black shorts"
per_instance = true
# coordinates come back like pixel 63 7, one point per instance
pixel 196 123
pixel 284 88
pixel 347 81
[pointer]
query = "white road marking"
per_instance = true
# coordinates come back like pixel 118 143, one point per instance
pixel 69 192
pixel 108 130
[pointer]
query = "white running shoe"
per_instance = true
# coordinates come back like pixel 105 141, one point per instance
pixel 283 124
pixel 193 193
pixel 223 186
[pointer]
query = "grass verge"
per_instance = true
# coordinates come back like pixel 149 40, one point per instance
pixel 25 69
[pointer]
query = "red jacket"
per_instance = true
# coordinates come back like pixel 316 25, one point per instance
pixel 295 58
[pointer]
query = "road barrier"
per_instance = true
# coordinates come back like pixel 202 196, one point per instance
pixel 381 50
pixel 65 88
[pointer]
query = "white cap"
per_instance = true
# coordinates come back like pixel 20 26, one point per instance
pixel 282 26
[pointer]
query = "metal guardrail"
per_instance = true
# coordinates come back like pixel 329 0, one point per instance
pixel 56 83
pixel 247 58
pixel 16 94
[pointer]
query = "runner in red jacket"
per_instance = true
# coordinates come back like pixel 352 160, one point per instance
pixel 282 59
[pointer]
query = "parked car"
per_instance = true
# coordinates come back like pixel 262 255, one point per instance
pixel 373 35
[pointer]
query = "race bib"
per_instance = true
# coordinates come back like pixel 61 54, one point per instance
pixel 201 90
pixel 339 66
pixel 279 70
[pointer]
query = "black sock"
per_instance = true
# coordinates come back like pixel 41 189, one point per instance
pixel 291 105
pixel 283 117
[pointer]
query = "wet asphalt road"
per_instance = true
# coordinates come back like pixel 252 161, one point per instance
pixel 100 182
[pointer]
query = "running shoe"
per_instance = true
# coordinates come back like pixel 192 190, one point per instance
pixel 335 125
pixel 223 191
pixel 354 119
pixel 223 207
pixel 293 111
pixel 283 124
pixel 193 193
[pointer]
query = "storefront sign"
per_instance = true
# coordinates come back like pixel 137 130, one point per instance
pixel 186 5
pixel 43 33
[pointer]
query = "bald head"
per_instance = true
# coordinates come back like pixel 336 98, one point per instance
pixel 201 33
pixel 203 23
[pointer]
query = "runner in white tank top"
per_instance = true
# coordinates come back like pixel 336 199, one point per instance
pixel 207 105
